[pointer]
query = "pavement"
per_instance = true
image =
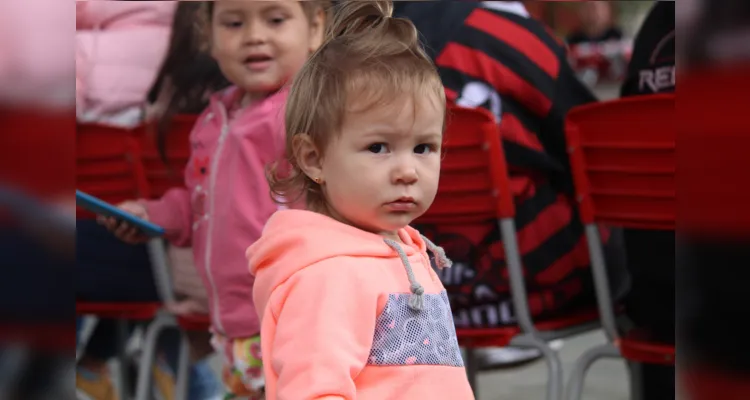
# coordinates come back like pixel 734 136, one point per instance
pixel 606 380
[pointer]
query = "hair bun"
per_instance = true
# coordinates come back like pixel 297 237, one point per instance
pixel 355 16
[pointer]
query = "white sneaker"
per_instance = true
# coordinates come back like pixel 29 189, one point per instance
pixel 511 356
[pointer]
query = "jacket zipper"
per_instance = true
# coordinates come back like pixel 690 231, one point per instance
pixel 209 237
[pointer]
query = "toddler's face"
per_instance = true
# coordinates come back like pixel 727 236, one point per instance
pixel 260 45
pixel 382 171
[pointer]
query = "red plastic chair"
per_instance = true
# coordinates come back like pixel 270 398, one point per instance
pixel 109 166
pixel 474 188
pixel 710 384
pixel 713 133
pixel 36 151
pixel 622 155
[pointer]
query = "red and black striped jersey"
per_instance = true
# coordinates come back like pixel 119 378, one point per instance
pixel 495 56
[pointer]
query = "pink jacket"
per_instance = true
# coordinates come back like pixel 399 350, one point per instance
pixel 120 46
pixel 341 315
pixel 35 43
pixel 226 202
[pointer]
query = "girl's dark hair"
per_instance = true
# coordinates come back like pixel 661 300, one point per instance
pixel 188 75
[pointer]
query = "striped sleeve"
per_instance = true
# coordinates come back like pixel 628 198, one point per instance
pixel 512 66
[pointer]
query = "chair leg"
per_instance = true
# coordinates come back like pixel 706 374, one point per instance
pixel 554 365
pixel 183 368
pixel 87 329
pixel 472 368
pixel 577 376
pixel 160 267
pixel 150 343
pixel 601 283
pixel 123 372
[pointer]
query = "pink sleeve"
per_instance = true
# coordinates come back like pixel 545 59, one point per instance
pixel 118 67
pixel 81 68
pixel 35 48
pixel 323 363
pixel 173 212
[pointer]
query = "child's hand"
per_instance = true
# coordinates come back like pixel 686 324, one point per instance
pixel 123 230
pixel 187 307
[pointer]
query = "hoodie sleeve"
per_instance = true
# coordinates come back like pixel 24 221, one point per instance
pixel 337 310
pixel 173 212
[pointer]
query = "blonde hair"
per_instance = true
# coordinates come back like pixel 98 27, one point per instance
pixel 367 52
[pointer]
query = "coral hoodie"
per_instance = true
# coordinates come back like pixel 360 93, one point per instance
pixel 338 320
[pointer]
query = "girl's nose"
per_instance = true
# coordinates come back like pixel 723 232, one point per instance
pixel 405 172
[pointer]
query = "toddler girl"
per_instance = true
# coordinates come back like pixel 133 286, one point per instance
pixel 350 307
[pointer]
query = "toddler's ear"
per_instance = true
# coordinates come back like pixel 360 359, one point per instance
pixel 317 29
pixel 308 157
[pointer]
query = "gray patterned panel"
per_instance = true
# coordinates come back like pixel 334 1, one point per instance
pixel 407 337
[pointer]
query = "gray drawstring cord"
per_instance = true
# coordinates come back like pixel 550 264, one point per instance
pixel 416 299
pixel 441 260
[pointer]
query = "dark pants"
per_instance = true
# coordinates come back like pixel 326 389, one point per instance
pixel 109 270
pixel 651 301
pixel 36 282
pixel 713 304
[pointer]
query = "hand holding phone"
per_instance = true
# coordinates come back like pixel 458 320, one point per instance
pixel 124 231
pixel 129 221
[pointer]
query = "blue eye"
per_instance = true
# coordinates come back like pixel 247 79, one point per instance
pixel 377 148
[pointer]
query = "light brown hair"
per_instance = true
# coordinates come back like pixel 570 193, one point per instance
pixel 368 56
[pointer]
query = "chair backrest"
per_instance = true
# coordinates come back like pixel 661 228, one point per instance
pixel 714 135
pixel 36 152
pixel 622 156
pixel 163 176
pixel 474 183
pixel 108 164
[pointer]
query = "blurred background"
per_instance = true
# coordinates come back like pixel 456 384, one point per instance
pixel 37 179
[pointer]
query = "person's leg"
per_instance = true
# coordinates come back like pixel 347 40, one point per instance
pixel 712 312
pixel 651 302
pixel 713 304
pixel 203 382
pixel 107 270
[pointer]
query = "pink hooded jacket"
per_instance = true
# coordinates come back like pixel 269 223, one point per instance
pixel 120 46
pixel 349 315
pixel 35 47
pixel 226 202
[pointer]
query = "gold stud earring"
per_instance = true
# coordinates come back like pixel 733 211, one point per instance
pixel 318 181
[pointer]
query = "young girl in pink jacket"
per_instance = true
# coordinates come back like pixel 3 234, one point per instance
pixel 350 306
pixel 225 203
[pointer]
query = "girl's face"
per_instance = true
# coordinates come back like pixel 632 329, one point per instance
pixel 381 171
pixel 260 45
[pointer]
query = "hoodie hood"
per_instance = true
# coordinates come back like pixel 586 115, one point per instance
pixel 295 239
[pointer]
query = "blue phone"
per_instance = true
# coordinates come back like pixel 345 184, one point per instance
pixel 101 207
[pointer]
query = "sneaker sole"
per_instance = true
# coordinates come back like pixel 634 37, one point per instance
pixel 83 396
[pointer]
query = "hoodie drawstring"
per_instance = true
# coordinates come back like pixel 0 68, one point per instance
pixel 416 300
pixel 441 260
